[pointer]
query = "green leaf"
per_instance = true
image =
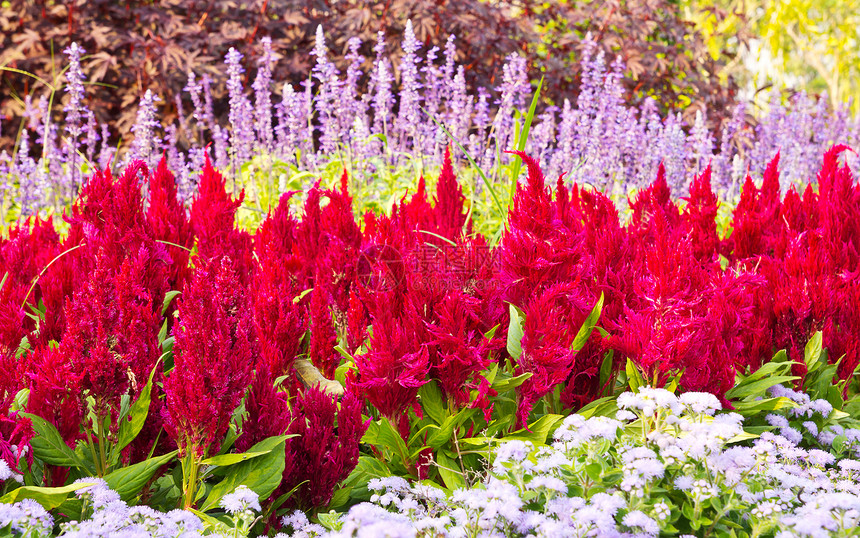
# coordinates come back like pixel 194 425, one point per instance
pixel 839 442
pixel 538 430
pixel 298 298
pixel 446 429
pixel 634 378
pixel 431 401
pixel 168 298
pixel 510 383
pixel 602 407
pixel 330 520
pixel 48 445
pixel 757 388
pixel 751 408
pixel 515 332
pixel 261 474
pixel 49 498
pixel 129 429
pixel 606 369
pixel 449 471
pixel 588 326
pixel 128 481
pixel 812 352
pixel 382 434
pixel 226 460
pixel 492 332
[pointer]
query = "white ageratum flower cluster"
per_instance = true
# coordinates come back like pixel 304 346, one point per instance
pixel 111 517
pixel 815 421
pixel 665 465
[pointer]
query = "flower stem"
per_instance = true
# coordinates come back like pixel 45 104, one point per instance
pixel 190 464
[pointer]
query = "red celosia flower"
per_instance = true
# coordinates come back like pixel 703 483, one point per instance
pixel 268 411
pixel 169 222
pixel 213 219
pixel 449 213
pixel 323 335
pixel 553 319
pixel 213 357
pixel 55 396
pixel 397 363
pixel 322 454
pixel 700 216
pixel 458 348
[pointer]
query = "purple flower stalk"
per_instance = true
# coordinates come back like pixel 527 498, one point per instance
pixel 263 96
pixel 145 139
pixel 700 142
pixel 410 98
pixel 327 96
pixel 241 123
pixel 75 111
pixel 381 80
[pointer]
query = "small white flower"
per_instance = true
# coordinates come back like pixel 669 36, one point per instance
pixel 242 499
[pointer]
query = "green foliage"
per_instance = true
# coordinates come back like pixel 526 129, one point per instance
pixel 801 44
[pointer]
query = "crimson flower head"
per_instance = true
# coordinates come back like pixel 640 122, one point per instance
pixel 213 216
pixel 111 336
pixel 325 449
pixel 459 351
pixel 169 222
pixel 397 364
pixel 213 357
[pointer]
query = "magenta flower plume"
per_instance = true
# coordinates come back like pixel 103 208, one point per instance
pixel 268 411
pixel 700 216
pixel 322 454
pixel 397 364
pixel 170 223
pixel 213 357
pixel 459 351
pixel 213 216
pixel 111 336
pixel 449 212
pixel 552 321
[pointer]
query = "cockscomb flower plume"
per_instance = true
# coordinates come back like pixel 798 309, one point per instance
pixel 213 357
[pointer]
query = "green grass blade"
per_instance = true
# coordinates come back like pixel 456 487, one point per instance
pixel 523 138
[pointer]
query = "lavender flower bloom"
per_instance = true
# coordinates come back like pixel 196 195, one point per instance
pixel 327 96
pixel 263 96
pixel 26 516
pixel 410 98
pixel 74 111
pixel 105 152
pixel 459 107
pixel 513 91
pixel 383 98
pixel 723 161
pixel 700 142
pixel 91 135
pixel 145 139
pixel 194 89
pixel 242 135
pixel 26 170
pixel 352 109
pixel 97 492
pixel 180 115
pixel 449 68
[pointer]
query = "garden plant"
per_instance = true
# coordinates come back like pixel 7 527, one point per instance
pixel 388 302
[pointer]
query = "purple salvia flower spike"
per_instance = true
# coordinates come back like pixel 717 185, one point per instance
pixel 263 96
pixel 74 113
